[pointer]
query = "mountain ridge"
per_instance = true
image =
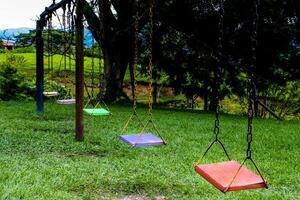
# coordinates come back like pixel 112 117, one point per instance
pixel 10 33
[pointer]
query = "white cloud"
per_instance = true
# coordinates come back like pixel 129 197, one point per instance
pixel 21 13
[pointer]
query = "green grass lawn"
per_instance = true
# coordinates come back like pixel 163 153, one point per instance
pixel 40 159
pixel 30 65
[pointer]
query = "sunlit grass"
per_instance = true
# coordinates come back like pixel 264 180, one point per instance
pixel 40 159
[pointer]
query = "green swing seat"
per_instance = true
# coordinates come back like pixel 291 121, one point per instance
pixel 96 111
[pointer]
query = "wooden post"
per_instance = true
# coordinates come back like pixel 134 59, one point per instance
pixel 79 71
pixel 39 67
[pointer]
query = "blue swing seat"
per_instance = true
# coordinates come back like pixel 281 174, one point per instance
pixel 66 101
pixel 140 140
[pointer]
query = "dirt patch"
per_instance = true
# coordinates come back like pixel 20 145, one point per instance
pixel 133 197
pixel 140 197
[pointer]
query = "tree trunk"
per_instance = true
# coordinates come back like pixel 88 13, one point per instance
pixel 115 68
pixel 205 98
pixel 116 44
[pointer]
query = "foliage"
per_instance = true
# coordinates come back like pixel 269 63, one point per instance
pixel 52 86
pixel 12 82
pixel 285 100
pixel 58 41
pixel 94 51
pixel 1 44
pixel 25 39
pixel 188 51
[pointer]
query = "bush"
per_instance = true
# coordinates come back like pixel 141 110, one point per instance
pixel 285 101
pixel 14 86
pixel 12 82
pixel 52 86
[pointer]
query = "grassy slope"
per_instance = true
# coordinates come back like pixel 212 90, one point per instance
pixel 39 158
pixel 29 67
pixel 229 105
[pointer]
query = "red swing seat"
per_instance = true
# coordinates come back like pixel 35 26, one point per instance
pixel 221 175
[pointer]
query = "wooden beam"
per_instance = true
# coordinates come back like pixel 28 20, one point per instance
pixel 39 67
pixel 52 8
pixel 269 110
pixel 79 70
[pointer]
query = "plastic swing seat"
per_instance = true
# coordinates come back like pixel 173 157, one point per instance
pixel 224 176
pixel 66 101
pixel 140 140
pixel 50 94
pixel 96 111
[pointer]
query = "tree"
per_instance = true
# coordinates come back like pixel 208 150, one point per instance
pixel 1 44
pixel 25 39
pixel 115 34
pixel 185 42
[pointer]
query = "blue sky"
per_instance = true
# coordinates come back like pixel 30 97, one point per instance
pixel 21 13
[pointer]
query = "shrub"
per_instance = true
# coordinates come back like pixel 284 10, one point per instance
pixel 52 86
pixel 12 82
pixel 285 101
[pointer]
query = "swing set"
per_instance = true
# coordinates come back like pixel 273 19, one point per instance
pixel 226 175
pixel 67 28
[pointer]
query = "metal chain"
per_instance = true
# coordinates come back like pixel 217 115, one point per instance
pixel 135 60
pixel 102 21
pixel 65 37
pixel 93 67
pixel 218 70
pixel 99 65
pixel 252 85
pixel 218 81
pixel 64 45
pixel 150 66
pixel 49 42
pixel 70 34
pixel 250 127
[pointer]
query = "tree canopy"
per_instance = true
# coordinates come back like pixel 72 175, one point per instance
pixel 185 41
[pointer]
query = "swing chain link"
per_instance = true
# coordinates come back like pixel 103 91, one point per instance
pixel 93 67
pixel 48 41
pixel 250 127
pixel 135 60
pixel 252 84
pixel 219 71
pixel 217 124
pixel 69 17
pixel 64 38
pixel 50 44
pixel 150 66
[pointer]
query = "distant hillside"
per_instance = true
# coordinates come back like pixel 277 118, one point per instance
pixel 10 33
